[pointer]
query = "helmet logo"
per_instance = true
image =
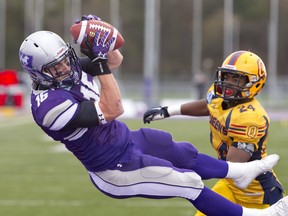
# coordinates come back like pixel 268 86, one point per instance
pixel 26 61
pixel 261 69
pixel 60 52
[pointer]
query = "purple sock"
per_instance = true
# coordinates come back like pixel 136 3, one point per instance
pixel 208 167
pixel 212 204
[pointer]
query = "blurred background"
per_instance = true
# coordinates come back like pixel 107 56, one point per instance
pixel 171 52
pixel 172 48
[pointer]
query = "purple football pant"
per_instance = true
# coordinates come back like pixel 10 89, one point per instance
pixel 157 167
pixel 161 168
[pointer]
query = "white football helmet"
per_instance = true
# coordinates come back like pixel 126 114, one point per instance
pixel 41 51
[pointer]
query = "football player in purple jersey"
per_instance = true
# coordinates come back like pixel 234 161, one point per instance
pixel 68 105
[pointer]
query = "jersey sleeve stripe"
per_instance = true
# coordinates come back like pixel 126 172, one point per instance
pixel 64 118
pixel 235 132
pixel 236 129
pixel 53 114
pixel 238 126
pixel 76 134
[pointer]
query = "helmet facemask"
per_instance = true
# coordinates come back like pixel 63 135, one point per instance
pixel 232 85
pixel 56 77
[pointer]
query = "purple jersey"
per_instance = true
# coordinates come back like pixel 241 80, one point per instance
pixel 98 148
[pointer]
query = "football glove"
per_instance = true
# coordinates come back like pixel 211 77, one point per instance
pixel 97 52
pixel 156 113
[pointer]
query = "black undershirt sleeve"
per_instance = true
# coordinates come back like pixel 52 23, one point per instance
pixel 85 117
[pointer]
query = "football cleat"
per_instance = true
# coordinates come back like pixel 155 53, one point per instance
pixel 250 170
pixel 278 209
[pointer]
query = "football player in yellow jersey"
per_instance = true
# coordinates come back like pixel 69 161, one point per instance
pixel 238 123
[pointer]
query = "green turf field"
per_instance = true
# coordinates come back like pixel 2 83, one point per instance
pixel 39 178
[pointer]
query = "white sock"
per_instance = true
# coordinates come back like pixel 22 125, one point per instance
pixel 251 212
pixel 259 212
pixel 233 170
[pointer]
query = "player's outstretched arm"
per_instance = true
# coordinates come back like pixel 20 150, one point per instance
pixel 158 113
pixel 194 108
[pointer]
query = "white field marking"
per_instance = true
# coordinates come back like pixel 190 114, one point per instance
pixel 131 203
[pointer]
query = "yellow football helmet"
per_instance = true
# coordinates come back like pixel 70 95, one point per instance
pixel 249 77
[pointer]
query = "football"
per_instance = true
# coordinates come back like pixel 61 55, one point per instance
pixel 90 27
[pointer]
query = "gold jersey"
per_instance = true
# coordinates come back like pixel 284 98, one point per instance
pixel 244 123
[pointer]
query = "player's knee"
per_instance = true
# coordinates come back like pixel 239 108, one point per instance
pixel 173 177
pixel 191 178
pixel 154 172
pixel 157 137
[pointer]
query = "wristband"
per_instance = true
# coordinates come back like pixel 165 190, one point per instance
pixel 100 114
pixel 94 68
pixel 174 110
pixel 101 68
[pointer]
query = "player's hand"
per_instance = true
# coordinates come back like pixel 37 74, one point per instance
pixel 97 51
pixel 88 17
pixel 156 113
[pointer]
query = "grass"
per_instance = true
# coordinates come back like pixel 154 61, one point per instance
pixel 37 180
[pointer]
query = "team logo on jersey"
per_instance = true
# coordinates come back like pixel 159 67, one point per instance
pixel 26 61
pixel 252 131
